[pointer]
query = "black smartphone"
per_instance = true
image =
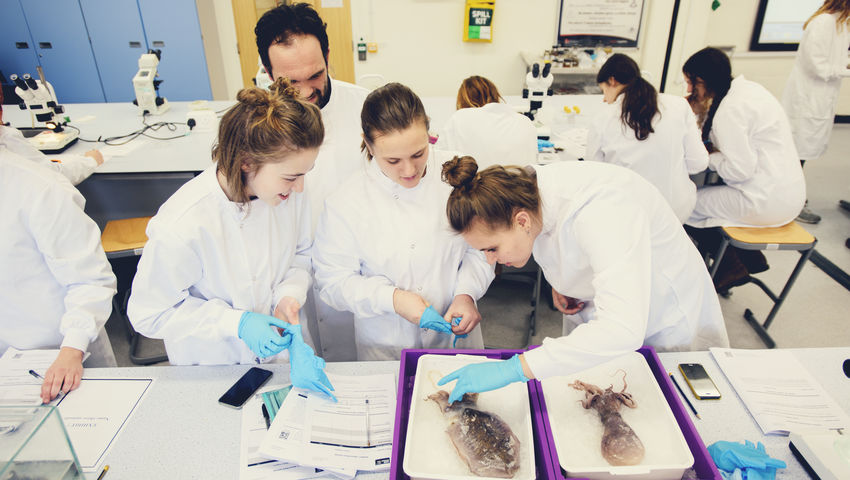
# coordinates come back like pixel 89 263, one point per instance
pixel 699 381
pixel 242 390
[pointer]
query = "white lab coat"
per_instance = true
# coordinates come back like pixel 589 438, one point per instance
pixel 338 160
pixel 208 260
pixel 375 236
pixel 811 94
pixel 494 134
pixel 756 159
pixel 611 240
pixel 75 168
pixel 56 285
pixel 666 158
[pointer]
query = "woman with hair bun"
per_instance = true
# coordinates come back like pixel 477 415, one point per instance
pixel 227 263
pixel 612 249
pixel 383 248
pixel 487 128
pixel 655 135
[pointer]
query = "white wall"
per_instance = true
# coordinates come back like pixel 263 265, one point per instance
pixel 219 34
pixel 420 43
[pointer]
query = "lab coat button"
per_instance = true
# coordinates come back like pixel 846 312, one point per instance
pixel 420 289
pixel 395 195
pixel 412 246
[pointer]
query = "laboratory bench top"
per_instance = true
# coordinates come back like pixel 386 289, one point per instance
pixel 180 430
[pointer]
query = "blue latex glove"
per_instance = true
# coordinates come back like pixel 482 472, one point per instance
pixel 255 329
pixel 305 368
pixel 456 322
pixel 483 377
pixel 541 144
pixel 431 320
pixel 755 463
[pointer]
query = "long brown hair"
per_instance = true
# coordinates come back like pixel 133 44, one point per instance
pixel 262 127
pixel 841 7
pixel 493 195
pixel 640 100
pixel 387 109
pixel 476 92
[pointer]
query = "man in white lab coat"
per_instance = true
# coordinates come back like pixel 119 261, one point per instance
pixel 56 285
pixel 75 168
pixel 293 43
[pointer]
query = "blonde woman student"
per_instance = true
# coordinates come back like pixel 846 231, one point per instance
pixel 383 248
pixel 227 264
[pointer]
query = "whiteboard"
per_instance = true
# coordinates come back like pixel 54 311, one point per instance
pixel 590 22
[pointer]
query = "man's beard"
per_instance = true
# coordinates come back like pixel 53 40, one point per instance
pixel 323 99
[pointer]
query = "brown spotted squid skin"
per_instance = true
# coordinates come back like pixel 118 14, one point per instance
pixel 482 439
pixel 620 444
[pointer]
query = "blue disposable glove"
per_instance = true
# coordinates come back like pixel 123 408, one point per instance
pixel 483 377
pixel 255 329
pixel 456 322
pixel 431 320
pixel 755 463
pixel 305 368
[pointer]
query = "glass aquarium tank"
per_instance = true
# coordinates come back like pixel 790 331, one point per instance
pixel 35 445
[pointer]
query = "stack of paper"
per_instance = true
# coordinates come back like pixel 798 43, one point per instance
pixel 354 434
pixel 781 395
pixel 17 385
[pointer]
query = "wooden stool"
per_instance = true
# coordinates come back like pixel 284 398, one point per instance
pixel 787 237
pixel 127 238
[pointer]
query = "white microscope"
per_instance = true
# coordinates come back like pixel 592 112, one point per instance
pixel 39 98
pixel 538 86
pixel 146 85
pixel 262 79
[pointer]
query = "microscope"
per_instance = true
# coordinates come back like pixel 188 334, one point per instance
pixel 262 79
pixel 538 86
pixel 39 98
pixel 146 85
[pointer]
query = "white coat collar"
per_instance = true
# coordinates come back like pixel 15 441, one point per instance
pixel 393 188
pixel 234 209
pixel 547 213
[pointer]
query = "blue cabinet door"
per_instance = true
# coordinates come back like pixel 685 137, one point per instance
pixel 17 52
pixel 172 26
pixel 63 49
pixel 117 40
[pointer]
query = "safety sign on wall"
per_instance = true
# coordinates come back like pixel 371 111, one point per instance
pixel 478 21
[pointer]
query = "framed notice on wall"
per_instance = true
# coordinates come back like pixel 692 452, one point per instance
pixel 586 23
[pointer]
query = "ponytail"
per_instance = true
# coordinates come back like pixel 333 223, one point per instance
pixel 711 67
pixel 640 100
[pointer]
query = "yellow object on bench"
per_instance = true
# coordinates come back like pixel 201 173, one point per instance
pixel 787 237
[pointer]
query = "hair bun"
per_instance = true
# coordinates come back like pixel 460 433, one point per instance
pixel 253 96
pixel 459 172
pixel 283 88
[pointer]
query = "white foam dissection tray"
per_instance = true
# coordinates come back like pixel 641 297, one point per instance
pixel 429 453
pixel 578 431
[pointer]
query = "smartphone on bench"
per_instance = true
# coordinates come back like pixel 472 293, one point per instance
pixel 242 390
pixel 699 381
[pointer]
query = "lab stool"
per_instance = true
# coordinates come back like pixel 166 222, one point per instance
pixel 121 239
pixel 787 237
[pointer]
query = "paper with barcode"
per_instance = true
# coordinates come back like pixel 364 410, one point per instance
pixel 780 394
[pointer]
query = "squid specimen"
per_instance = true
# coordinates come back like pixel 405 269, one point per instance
pixel 482 439
pixel 620 444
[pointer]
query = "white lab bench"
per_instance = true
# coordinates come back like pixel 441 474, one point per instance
pixel 180 430
pixel 137 181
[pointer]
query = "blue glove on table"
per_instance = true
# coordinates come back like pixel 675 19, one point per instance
pixel 483 377
pixel 755 463
pixel 305 368
pixel 255 329
pixel 431 320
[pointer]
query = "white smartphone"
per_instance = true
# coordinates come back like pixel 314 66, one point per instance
pixel 242 390
pixel 699 381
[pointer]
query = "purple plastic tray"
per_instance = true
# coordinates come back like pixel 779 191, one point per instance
pixel 407 371
pixel 703 465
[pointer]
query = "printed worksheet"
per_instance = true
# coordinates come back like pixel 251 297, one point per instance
pixel 781 395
